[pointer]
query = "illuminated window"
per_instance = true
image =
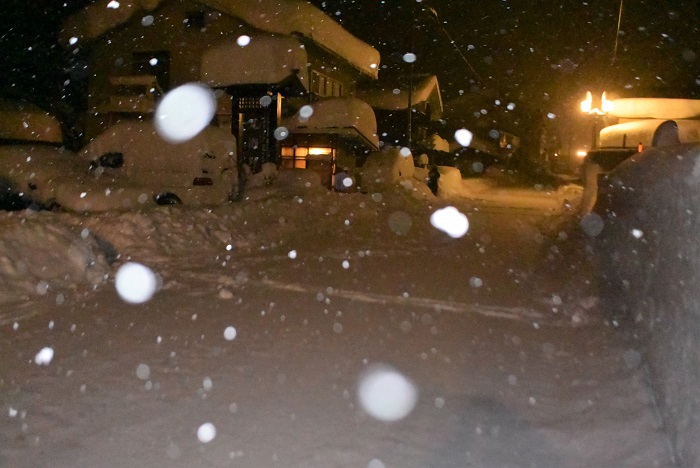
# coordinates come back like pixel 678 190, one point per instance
pixel 300 157
pixel 293 157
pixel 320 152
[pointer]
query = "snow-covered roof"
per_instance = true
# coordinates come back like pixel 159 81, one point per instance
pixel 26 122
pixel 394 96
pixel 267 59
pixel 656 108
pixel 286 17
pixel 631 134
pixel 348 117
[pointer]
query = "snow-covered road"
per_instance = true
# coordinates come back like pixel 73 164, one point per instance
pixel 500 332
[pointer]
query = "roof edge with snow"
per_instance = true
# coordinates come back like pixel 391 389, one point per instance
pixel 388 96
pixel 349 117
pixel 289 17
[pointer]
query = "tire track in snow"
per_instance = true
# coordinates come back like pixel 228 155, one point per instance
pixel 510 313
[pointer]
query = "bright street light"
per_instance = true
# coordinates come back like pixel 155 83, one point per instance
pixel 605 107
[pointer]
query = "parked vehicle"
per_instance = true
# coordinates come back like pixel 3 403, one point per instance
pixel 127 167
pixel 621 141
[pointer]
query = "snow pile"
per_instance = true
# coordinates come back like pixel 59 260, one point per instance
pixel 385 168
pixel 59 253
pixel 649 251
pixel 39 256
pixel 450 181
pixel 438 143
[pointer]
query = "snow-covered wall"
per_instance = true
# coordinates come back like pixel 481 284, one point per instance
pixel 649 252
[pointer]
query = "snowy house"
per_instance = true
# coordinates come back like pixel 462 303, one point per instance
pixel 329 134
pixel 391 98
pixel 265 59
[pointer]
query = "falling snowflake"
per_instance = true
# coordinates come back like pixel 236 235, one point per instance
pixel 409 57
pixel 230 333
pixel 206 433
pixel 44 357
pixel 464 137
pixel 451 221
pixel 306 111
pixel 135 283
pixel 386 394
pixel 184 112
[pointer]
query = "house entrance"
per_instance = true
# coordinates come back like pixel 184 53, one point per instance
pixel 255 136
pixel 257 119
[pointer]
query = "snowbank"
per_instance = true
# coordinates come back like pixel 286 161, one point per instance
pixel 384 169
pixel 450 182
pixel 649 251
pixel 39 257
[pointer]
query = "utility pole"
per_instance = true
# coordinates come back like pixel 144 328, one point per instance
pixel 409 130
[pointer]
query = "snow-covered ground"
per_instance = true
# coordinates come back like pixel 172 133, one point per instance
pixel 269 313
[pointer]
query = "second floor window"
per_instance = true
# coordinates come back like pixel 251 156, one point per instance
pixel 323 85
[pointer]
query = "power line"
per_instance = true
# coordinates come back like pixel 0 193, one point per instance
pixel 617 33
pixel 434 15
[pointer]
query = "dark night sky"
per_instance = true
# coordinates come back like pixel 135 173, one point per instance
pixel 544 52
pixel 525 48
